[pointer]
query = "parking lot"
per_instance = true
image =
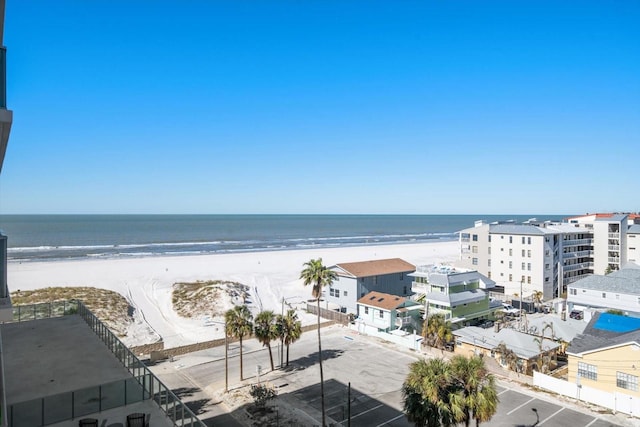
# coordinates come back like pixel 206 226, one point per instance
pixel 376 371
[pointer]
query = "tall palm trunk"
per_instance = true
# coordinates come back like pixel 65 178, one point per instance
pixel 287 354
pixel 270 356
pixel 320 360
pixel 241 376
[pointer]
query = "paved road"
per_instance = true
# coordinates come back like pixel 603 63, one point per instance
pixel 375 370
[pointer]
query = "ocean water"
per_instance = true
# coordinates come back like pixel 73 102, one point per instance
pixel 57 237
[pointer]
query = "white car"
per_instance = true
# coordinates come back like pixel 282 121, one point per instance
pixel 509 310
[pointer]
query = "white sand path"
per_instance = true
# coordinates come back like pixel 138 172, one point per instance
pixel 147 282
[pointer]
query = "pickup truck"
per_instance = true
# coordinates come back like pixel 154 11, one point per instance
pixel 509 310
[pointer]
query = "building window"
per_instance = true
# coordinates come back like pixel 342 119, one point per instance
pixel 546 253
pixel 523 253
pixel 510 239
pixel 510 252
pixel 529 280
pixel 510 264
pixel 604 295
pixel 626 381
pixel 489 250
pixel 489 262
pixel 404 290
pixel 366 310
pixel 489 237
pixel 528 266
pixel 588 371
pixel 528 240
pixel 489 275
pixel 523 264
pixel 522 279
pixel 511 277
pixel 334 292
pixel 375 280
pixel 474 249
pixel 529 253
pixel 381 314
pixel 474 261
pixel 573 291
pixel 474 237
pixel 344 294
pixel 546 266
pixel 546 280
pixel 523 240
pixel 401 276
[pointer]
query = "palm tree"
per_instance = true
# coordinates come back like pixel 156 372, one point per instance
pixel 292 330
pixel 318 276
pixel 429 396
pixel 508 357
pixel 437 331
pixel 264 328
pixel 537 299
pixel 477 387
pixel 238 321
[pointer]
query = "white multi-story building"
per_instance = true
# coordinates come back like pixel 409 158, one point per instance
pixel 546 256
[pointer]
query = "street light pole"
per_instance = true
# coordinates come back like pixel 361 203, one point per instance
pixel 226 359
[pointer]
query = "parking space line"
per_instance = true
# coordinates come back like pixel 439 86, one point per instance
pixel 518 407
pixel 594 420
pixel 363 412
pixel 391 420
pixel 503 391
pixel 551 416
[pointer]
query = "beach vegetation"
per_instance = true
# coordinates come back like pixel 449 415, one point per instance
pixel 265 330
pixel 317 275
pixel 192 299
pixel 437 393
pixel 261 394
pixel 239 324
pixel 110 307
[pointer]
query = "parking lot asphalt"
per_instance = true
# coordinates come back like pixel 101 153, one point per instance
pixel 375 371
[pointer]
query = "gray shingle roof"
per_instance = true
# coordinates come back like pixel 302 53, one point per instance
pixel 594 339
pixel 625 280
pixel 522 344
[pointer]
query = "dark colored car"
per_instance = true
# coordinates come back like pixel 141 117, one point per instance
pixel 575 314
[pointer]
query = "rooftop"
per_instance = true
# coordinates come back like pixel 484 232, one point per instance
pixel 524 345
pixel 382 300
pixel 376 267
pixel 595 339
pixel 625 280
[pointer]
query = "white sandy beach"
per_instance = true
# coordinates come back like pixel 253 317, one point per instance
pixel 147 282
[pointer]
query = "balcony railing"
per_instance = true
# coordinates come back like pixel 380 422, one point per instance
pixel 577 242
pixel 578 254
pixel 143 386
pixel 614 260
pixel 614 247
pixel 614 235
pixel 403 321
pixel 574 267
pixel 420 288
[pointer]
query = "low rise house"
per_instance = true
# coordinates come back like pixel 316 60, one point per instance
pixel 533 353
pixel 356 279
pixel 385 312
pixel 462 296
pixel 618 290
pixel 607 355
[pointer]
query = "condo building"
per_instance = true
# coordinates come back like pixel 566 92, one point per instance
pixel 546 256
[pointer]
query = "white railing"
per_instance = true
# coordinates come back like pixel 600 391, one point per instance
pixel 574 267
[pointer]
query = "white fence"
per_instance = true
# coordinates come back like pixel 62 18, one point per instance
pixel 616 401
pixel 411 341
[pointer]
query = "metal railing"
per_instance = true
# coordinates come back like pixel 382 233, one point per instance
pixel 574 267
pixel 143 385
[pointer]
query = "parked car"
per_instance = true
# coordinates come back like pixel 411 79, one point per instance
pixel 576 314
pixel 509 310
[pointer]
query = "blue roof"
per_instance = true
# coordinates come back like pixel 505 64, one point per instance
pixel 617 323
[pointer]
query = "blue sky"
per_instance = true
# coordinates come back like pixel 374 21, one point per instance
pixel 420 107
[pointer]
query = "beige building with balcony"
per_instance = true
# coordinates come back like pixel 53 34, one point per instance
pixel 547 256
